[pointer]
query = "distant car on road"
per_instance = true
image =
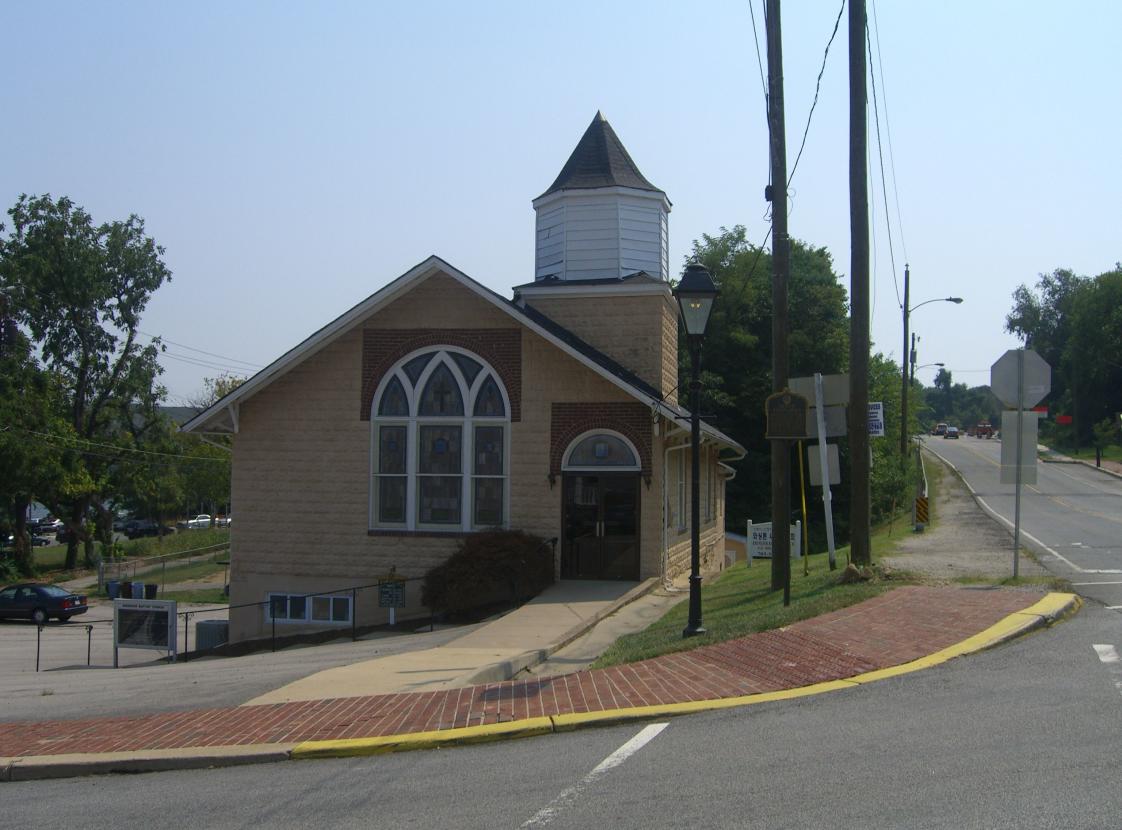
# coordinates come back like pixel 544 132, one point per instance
pixel 940 429
pixel 952 432
pixel 39 602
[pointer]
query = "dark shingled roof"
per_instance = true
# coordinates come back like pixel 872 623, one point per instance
pixel 600 160
pixel 637 278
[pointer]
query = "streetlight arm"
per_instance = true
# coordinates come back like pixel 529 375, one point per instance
pixel 955 300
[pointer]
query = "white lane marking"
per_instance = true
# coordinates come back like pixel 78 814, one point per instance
pixel 550 811
pixel 1113 607
pixel 1109 657
pixel 1106 653
pixel 1115 582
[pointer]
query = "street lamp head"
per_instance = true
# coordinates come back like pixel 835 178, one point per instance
pixel 695 294
pixel 955 300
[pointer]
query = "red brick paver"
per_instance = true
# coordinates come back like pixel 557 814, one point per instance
pixel 894 628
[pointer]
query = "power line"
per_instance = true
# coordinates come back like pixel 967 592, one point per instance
pixel 888 132
pixel 880 155
pixel 759 59
pixel 163 339
pixel 54 440
pixel 817 87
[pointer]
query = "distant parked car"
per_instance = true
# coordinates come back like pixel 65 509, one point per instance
pixel 36 541
pixel 39 602
pixel 198 523
pixel 223 521
pixel 137 528
pixel 952 432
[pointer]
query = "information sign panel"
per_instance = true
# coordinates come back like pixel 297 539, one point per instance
pixel 835 388
pixel 876 419
pixel 833 417
pixel 814 463
pixel 1009 454
pixel 144 623
pixel 759 540
pixel 391 594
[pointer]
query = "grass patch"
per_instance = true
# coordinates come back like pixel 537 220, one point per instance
pixel 1112 452
pixel 178 542
pixel 204 596
pixel 51 558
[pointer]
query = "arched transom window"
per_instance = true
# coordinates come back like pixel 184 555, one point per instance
pixel 601 450
pixel 441 433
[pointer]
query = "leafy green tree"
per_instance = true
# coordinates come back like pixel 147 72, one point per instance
pixel 79 289
pixel 736 361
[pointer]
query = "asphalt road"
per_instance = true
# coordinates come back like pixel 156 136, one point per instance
pixel 1025 735
pixel 1071 518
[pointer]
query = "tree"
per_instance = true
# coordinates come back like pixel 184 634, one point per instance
pixel 736 377
pixel 79 289
pixel 1074 323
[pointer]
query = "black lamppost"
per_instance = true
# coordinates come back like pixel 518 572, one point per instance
pixel 904 355
pixel 695 295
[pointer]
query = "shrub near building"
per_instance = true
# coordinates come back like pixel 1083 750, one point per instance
pixel 488 568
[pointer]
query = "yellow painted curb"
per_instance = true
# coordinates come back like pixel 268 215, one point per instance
pixel 575 720
pixel 1049 608
pixel 352 747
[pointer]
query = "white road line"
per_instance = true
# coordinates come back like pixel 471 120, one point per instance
pixel 1097 583
pixel 549 812
pixel 1106 653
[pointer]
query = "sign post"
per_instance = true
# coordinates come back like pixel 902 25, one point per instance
pixel 1020 379
pixel 824 463
pixel 391 594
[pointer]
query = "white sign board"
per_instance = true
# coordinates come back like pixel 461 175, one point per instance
pixel 834 417
pixel 759 540
pixel 1009 447
pixel 815 464
pixel 1004 378
pixel 876 419
pixel 144 623
pixel 835 388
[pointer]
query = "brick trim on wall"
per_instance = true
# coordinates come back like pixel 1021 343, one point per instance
pixel 568 420
pixel 382 348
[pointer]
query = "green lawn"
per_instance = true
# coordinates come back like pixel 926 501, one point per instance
pixel 205 596
pixel 53 558
pixel 1112 452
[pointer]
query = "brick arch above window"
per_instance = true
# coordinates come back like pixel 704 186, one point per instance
pixel 568 421
pixel 382 348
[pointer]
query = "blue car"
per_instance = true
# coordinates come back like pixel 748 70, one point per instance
pixel 39 602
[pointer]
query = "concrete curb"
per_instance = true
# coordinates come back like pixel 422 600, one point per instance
pixel 1049 610
pixel 506 669
pixel 38 767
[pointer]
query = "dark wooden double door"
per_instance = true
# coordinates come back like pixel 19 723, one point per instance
pixel 600 526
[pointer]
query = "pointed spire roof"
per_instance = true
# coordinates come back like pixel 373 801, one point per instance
pixel 600 160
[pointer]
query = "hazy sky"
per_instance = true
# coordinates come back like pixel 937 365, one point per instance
pixel 293 158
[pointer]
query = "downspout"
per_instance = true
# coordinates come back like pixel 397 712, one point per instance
pixel 666 584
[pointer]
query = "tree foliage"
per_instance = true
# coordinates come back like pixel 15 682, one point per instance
pixel 736 359
pixel 79 290
pixel 1075 324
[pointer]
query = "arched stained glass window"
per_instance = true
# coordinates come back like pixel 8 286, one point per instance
pixel 394 401
pixel 602 449
pixel 489 400
pixel 440 457
pixel 442 394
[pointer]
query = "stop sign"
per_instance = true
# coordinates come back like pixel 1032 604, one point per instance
pixel 1037 380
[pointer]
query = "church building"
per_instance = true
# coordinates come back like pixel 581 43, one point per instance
pixel 436 407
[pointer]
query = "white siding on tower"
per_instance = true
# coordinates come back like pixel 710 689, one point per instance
pixel 602 233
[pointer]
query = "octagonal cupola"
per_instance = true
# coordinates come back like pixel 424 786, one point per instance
pixel 601 218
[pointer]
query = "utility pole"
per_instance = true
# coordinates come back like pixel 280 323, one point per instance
pixel 780 261
pixel 859 511
pixel 904 369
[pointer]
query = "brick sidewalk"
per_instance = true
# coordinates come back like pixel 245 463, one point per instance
pixel 894 628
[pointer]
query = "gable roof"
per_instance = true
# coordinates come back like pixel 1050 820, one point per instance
pixel 222 416
pixel 600 160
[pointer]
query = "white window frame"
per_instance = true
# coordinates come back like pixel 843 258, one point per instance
pixel 413 423
pixel 308 599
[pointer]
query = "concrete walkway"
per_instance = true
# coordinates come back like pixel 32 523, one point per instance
pixel 903 630
pixel 496 651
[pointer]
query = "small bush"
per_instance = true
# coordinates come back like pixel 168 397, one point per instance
pixel 491 566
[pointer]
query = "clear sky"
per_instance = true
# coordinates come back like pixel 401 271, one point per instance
pixel 293 158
